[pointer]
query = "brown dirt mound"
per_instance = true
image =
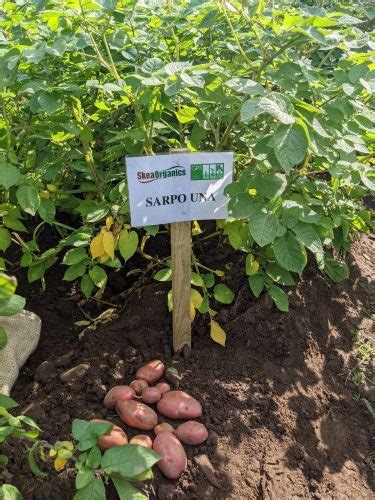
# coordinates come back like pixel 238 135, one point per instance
pixel 277 400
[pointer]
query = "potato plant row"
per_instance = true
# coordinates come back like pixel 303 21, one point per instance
pixel 287 86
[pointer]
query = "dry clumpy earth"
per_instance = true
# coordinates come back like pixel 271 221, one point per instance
pixel 278 400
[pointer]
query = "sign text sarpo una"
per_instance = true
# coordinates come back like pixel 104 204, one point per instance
pixel 178 187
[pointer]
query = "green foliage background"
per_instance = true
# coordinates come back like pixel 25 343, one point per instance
pixel 286 85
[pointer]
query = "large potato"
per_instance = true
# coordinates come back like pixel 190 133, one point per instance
pixel 179 404
pixel 151 395
pixel 151 372
pixel 163 387
pixel 164 427
pixel 116 437
pixel 136 414
pixel 139 386
pixel 142 440
pixel 191 432
pixel 174 460
pixel 118 393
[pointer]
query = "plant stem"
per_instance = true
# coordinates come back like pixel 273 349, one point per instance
pixel 326 57
pixel 8 141
pixel 235 36
pixel 230 125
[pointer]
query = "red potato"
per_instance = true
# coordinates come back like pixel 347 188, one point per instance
pixel 116 437
pixel 118 393
pixel 151 372
pixel 163 387
pixel 192 433
pixel 136 414
pixel 142 440
pixel 139 386
pixel 174 460
pixel 164 427
pixel 151 395
pixel 179 404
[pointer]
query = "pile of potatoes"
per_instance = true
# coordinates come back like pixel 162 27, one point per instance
pixel 130 402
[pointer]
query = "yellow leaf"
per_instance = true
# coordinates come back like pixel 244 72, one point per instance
pixel 103 258
pixel 212 312
pixel 42 454
pixel 60 464
pixel 96 246
pixel 196 298
pixel 217 333
pixel 68 445
pixel 52 453
pixel 253 268
pixel 109 222
pixel 192 310
pixel 109 243
pixel 196 228
pixel 170 301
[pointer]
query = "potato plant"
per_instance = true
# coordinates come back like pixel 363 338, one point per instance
pixel 122 465
pixel 285 85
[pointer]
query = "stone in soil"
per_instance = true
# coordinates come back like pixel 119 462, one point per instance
pixel 45 372
pixel 76 373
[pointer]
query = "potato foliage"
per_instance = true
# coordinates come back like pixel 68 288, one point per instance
pixel 286 85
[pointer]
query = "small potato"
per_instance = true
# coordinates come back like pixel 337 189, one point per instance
pixel 118 393
pixel 163 387
pixel 136 414
pixel 151 395
pixel 174 460
pixel 179 404
pixel 151 372
pixel 164 427
pixel 139 386
pixel 191 432
pixel 116 437
pixel 142 440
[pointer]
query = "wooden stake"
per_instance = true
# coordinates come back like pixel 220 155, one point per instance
pixel 181 268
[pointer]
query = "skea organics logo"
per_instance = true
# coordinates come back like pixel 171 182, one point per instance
pixel 145 177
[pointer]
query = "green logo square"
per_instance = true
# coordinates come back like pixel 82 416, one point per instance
pixel 206 171
pixel 196 172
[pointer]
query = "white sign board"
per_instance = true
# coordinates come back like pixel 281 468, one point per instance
pixel 178 187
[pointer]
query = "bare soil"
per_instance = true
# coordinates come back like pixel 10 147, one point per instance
pixel 278 400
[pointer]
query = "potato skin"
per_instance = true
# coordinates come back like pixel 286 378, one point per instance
pixel 163 387
pixel 118 393
pixel 116 437
pixel 142 440
pixel 164 427
pixel 151 395
pixel 174 460
pixel 136 414
pixel 151 372
pixel 139 386
pixel 179 404
pixel 192 433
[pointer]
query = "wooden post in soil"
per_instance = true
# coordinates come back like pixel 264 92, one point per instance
pixel 181 268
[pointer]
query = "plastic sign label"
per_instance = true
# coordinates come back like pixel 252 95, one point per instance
pixel 178 187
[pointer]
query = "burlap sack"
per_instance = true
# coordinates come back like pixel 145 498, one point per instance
pixel 23 332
